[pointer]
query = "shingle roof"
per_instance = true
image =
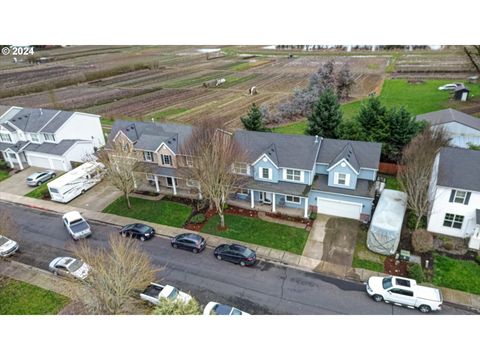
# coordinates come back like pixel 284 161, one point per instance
pixel 50 148
pixel 348 154
pixel 9 127
pixel 364 187
pixel 291 151
pixel 150 142
pixel 153 168
pixel 33 120
pixel 366 154
pixel 175 133
pixel 450 115
pixel 4 109
pixel 280 188
pixel 459 168
pixel 15 147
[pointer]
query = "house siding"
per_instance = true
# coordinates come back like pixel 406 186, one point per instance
pixel 82 127
pixel 266 164
pixel 342 170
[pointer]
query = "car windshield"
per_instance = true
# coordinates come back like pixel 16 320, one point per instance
pixel 236 312
pixel 143 228
pixel 387 283
pixel 3 240
pixel 222 309
pixel 173 295
pixel 78 225
pixel 75 265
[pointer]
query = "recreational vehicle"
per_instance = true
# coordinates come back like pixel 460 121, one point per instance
pixel 75 182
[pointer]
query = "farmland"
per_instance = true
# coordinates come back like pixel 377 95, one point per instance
pixel 166 82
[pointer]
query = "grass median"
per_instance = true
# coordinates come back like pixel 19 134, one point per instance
pixel 255 231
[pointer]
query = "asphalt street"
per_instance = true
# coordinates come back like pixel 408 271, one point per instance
pixel 265 288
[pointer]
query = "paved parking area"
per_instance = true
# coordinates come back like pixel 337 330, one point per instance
pixel 16 184
pixel 97 198
pixel 339 241
pixel 314 245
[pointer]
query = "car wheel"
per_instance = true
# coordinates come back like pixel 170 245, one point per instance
pixel 82 192
pixel 242 263
pixel 175 246
pixel 195 250
pixel 219 257
pixel 377 298
pixel 39 183
pixel 53 175
pixel 424 309
pixel 142 238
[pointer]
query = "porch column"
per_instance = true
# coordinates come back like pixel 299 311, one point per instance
pixel 156 183
pixel 19 161
pixel 273 202
pixel 174 187
pixel 9 159
pixel 200 196
pixel 305 213
pixel 252 202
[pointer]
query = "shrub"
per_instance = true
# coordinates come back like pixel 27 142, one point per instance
pixel 313 215
pixel 422 241
pixel 415 271
pixel 198 218
pixel 448 244
pixel 412 220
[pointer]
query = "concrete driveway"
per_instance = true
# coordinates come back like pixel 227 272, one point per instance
pixel 16 184
pixel 97 198
pixel 339 241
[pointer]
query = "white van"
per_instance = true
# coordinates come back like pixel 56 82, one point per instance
pixel 75 182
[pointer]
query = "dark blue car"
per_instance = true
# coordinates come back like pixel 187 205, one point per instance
pixel 235 253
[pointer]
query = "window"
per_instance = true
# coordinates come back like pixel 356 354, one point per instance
pixel 243 191
pixel 189 161
pixel 293 175
pixel 166 160
pixel 341 179
pixel 460 197
pixel 5 137
pixel 240 168
pixel 35 138
pixel 265 173
pixel 49 137
pixel 402 292
pixel 150 177
pixel 148 156
pixel 292 199
pixel 453 221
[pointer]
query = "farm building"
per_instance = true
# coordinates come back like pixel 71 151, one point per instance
pixel 461 93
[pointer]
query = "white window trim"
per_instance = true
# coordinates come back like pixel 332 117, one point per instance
pixel 149 158
pixel 9 136
pixel 37 140
pixel 163 156
pixel 50 135
pixel 336 178
pixel 260 173
pixel 302 175
pixel 292 201
pixel 453 221
pixel 247 169
pixel 459 197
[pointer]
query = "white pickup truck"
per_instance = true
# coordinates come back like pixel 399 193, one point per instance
pixel 154 292
pixel 404 292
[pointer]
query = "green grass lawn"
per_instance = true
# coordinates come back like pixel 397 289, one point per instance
pixel 40 192
pixel 417 98
pixel 4 175
pixel 392 183
pixel 19 298
pixel 161 212
pixel 455 274
pixel 259 232
pixel 168 112
pixel 364 258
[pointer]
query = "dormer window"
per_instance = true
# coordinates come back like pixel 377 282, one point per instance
pixel 166 160
pixel 35 138
pixel 148 156
pixel 341 179
pixel 5 138
pixel 49 137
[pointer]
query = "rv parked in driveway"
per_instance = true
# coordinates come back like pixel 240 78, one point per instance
pixel 75 182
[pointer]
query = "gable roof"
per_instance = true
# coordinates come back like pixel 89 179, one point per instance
pixel 149 136
pixel 51 148
pixel 450 115
pixel 271 152
pixel 361 153
pixel 14 147
pixel 459 168
pixel 33 120
pixel 289 151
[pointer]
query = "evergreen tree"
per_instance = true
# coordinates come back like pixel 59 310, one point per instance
pixel 371 118
pixel 350 129
pixel 254 120
pixel 325 117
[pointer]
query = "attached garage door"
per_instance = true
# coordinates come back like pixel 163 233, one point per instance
pixel 59 164
pixel 38 161
pixel 339 208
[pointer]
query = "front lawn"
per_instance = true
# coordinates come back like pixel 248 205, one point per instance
pixel 19 298
pixel 40 192
pixel 456 274
pixel 161 212
pixel 259 232
pixel 4 175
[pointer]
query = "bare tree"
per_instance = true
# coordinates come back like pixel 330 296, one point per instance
pixel 118 271
pixel 416 169
pixel 8 226
pixel 121 164
pixel 215 153
pixel 176 307
pixel 473 54
pixel 345 81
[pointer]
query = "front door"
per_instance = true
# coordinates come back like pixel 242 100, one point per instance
pixel 266 197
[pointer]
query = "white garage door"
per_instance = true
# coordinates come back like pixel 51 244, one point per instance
pixel 339 208
pixel 38 161
pixel 58 164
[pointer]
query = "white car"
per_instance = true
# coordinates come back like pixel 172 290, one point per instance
pixel 214 308
pixel 70 267
pixel 154 292
pixel 76 225
pixel 404 292
pixel 449 87
pixel 7 246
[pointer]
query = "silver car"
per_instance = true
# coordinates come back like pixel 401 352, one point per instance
pixel 39 178
pixel 69 267
pixel 7 246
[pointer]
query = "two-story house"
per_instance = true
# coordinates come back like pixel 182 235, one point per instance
pixel 157 147
pixel 46 138
pixel 454 194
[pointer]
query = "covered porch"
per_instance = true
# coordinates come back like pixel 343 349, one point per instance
pixel 167 185
pixel 15 158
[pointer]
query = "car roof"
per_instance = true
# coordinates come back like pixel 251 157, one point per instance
pixel 222 309
pixel 72 215
pixel 190 236
pixel 65 261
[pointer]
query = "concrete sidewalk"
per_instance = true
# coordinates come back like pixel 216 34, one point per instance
pixel 286 258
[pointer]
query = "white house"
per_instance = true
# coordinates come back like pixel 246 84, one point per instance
pixel 455 194
pixel 462 128
pixel 48 138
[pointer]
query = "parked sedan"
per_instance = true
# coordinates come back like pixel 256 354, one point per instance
pixel 138 231
pixel 70 267
pixel 235 253
pixel 449 87
pixel 214 308
pixel 76 225
pixel 7 246
pixel 39 178
pixel 189 241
